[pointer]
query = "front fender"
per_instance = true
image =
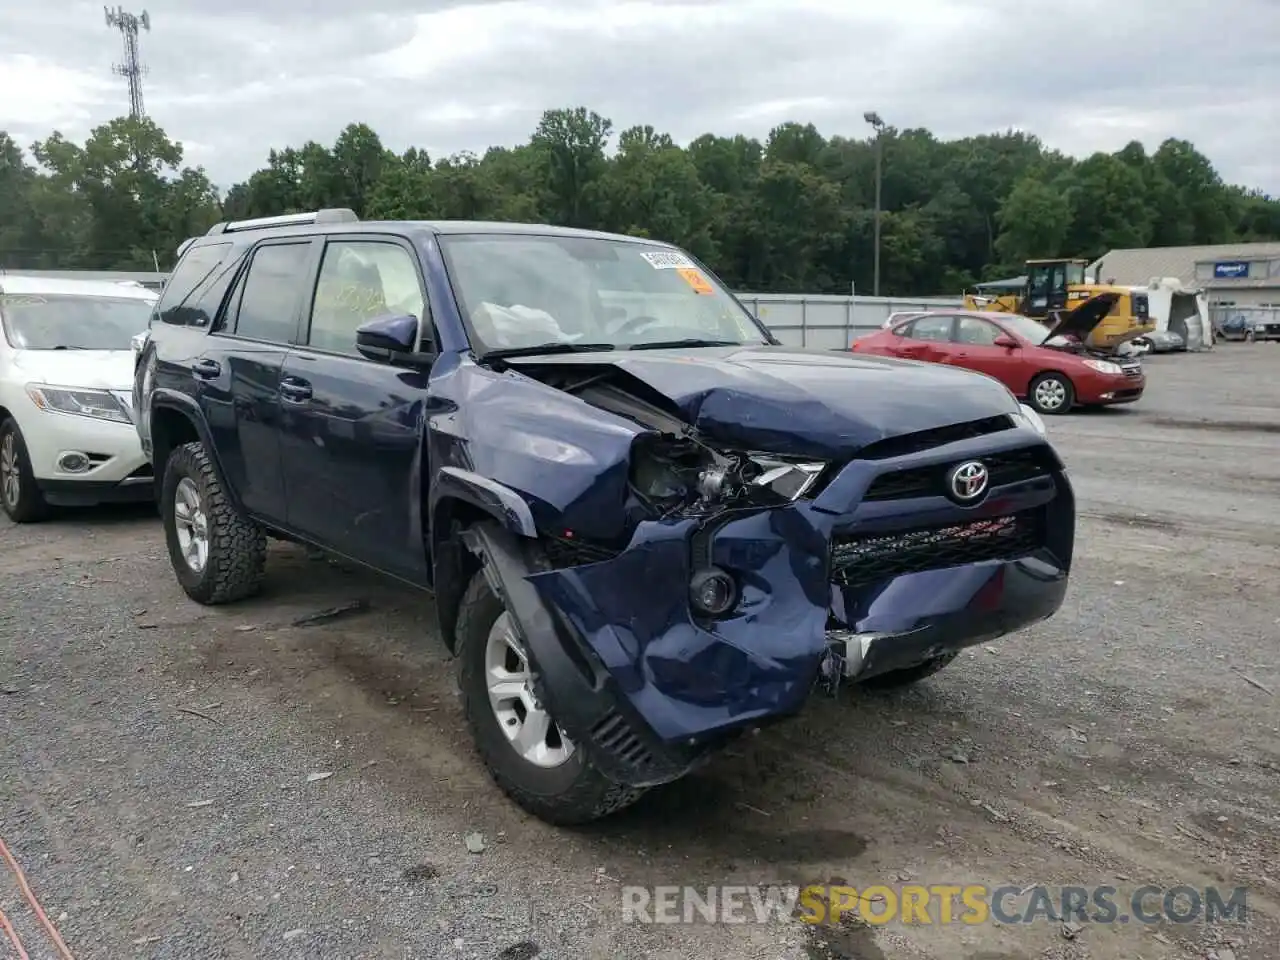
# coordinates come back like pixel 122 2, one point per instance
pixel 158 444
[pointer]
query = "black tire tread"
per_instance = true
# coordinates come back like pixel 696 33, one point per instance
pixel 237 545
pixel 592 796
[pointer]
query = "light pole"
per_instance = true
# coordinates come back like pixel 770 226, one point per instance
pixel 873 118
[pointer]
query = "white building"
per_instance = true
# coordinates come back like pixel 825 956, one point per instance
pixel 1236 277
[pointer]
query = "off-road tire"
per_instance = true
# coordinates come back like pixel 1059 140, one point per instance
pixel 237 546
pixel 570 794
pixel 31 506
pixel 897 679
pixel 1067 404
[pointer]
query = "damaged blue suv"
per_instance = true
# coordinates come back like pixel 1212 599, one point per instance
pixel 648 526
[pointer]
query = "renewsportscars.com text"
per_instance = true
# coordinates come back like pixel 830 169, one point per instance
pixel 933 904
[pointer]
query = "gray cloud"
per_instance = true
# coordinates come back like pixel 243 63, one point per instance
pixel 233 79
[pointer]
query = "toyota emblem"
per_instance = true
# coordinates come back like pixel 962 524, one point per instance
pixel 967 481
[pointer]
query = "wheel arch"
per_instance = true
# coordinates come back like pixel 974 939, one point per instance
pixel 174 421
pixel 462 499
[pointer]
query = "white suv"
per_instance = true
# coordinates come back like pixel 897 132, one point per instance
pixel 66 380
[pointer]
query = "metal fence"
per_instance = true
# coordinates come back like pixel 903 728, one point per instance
pixel 153 280
pixel 831 322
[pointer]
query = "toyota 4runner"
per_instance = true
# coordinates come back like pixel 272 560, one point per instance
pixel 647 525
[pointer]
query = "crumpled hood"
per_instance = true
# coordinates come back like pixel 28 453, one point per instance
pixel 783 400
pixel 95 369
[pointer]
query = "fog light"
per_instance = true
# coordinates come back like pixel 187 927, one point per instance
pixel 713 592
pixel 73 463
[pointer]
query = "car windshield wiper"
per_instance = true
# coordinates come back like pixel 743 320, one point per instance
pixel 538 349
pixel 686 342
pixel 63 346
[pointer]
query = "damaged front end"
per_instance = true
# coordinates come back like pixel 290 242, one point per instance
pixel 746 578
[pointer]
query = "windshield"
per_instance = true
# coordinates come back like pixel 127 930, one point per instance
pixel 519 291
pixel 53 322
pixel 1075 274
pixel 1025 327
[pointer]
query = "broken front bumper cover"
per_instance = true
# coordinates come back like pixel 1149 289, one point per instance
pixel 649 689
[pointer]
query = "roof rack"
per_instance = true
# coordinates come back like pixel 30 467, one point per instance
pixel 329 215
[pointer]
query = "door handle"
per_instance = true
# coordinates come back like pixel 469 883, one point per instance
pixel 295 389
pixel 206 369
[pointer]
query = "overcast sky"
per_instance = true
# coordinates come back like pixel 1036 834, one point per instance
pixel 232 78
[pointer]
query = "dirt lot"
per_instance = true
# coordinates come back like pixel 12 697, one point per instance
pixel 156 756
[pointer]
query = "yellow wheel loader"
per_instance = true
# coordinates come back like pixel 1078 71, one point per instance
pixel 1052 288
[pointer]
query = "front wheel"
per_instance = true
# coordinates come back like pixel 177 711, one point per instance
pixel 525 751
pixel 897 679
pixel 21 498
pixel 1051 393
pixel 218 554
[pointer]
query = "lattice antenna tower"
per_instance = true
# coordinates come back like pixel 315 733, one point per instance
pixel 132 68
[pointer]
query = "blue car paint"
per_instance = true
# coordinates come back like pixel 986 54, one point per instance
pixel 538 459
pixel 692 679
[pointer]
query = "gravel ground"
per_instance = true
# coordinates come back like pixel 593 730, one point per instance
pixel 159 759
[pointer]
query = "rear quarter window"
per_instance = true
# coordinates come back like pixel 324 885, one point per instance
pixel 176 304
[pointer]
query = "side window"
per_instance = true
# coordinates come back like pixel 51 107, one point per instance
pixel 930 328
pixel 978 333
pixel 192 270
pixel 269 295
pixel 360 280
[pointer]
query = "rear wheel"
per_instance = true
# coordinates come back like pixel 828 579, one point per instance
pixel 1051 393
pixel 218 554
pixel 21 498
pixel 518 740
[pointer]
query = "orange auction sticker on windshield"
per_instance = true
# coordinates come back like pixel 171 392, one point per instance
pixel 696 280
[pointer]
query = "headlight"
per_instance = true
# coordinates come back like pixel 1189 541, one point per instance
pixel 788 479
pixel 1104 366
pixel 1033 419
pixel 98 404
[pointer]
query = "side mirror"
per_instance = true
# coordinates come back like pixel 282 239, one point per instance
pixel 1005 341
pixel 392 337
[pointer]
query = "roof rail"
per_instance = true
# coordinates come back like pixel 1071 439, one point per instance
pixel 329 215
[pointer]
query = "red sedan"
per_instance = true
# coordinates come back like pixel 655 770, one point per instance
pixel 1050 368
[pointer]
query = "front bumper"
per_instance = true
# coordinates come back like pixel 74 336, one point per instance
pixel 1100 391
pixel 650 689
pixel 115 469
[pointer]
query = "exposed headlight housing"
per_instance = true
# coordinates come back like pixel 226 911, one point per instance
pixel 789 479
pixel 79 402
pixel 1032 419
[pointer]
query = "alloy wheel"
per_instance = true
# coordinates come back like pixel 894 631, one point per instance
pixel 10 471
pixel 191 525
pixel 1051 394
pixel 526 723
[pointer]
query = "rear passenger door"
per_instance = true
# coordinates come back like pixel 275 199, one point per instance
pixel 353 427
pixel 927 338
pixel 240 372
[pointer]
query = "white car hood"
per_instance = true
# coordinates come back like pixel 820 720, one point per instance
pixel 96 369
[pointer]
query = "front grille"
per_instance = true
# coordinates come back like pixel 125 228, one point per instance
pixel 1011 466
pixel 858 561
pixel 1132 371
